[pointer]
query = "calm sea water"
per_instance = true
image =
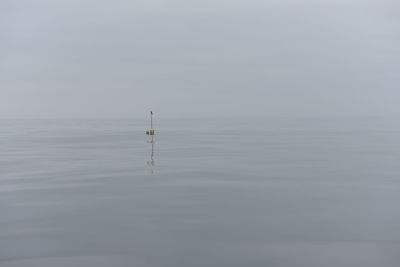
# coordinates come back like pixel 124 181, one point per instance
pixel 220 192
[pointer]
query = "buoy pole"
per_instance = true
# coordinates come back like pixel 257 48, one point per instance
pixel 151 120
pixel 151 131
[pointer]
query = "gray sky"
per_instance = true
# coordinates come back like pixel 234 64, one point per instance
pixel 96 58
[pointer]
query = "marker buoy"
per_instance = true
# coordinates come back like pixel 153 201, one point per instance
pixel 151 131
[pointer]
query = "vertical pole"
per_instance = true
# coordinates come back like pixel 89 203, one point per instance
pixel 151 120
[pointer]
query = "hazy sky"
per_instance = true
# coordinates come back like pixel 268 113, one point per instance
pixel 121 58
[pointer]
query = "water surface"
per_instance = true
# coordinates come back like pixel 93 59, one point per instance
pixel 215 192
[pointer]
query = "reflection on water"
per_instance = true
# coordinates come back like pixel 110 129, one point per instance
pixel 151 162
pixel 232 192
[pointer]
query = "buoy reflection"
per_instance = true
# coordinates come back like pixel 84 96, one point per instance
pixel 151 162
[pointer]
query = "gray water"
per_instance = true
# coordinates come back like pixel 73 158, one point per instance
pixel 217 192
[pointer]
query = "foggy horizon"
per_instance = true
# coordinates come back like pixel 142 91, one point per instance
pixel 274 140
pixel 95 59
